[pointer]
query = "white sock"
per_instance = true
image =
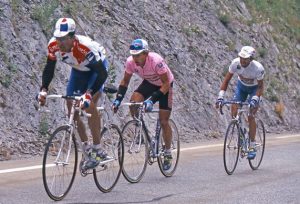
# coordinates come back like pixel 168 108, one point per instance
pixel 97 146
pixel 168 151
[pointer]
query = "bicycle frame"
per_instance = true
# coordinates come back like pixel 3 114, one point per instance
pixel 243 137
pixel 152 141
pixel 71 124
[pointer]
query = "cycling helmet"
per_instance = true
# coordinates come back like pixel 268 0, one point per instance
pixel 247 52
pixel 64 26
pixel 138 46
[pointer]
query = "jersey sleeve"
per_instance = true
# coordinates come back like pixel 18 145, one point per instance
pixel 52 48
pixel 233 66
pixel 129 66
pixel 161 67
pixel 261 73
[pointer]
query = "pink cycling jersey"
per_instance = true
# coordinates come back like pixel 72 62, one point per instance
pixel 154 66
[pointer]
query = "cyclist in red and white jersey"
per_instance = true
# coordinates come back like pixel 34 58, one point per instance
pixel 157 85
pixel 89 72
pixel 250 83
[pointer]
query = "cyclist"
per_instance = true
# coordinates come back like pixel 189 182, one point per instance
pixel 156 86
pixel 250 82
pixel 89 72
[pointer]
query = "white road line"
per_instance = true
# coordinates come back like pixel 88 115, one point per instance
pixel 23 169
pixel 288 136
pixel 40 166
pixel 20 169
pixel 201 147
pixel 182 150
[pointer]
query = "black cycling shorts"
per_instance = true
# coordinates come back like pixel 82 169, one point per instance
pixel 147 89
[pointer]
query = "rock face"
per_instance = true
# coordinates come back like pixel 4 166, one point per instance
pixel 198 39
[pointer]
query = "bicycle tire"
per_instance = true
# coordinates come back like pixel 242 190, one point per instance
pixel 231 147
pixel 136 151
pixel 64 172
pixel 106 175
pixel 260 145
pixel 175 148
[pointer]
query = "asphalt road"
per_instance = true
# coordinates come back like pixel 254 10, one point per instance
pixel 200 178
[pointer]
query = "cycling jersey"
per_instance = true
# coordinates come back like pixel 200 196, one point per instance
pixel 154 66
pixel 86 56
pixel 249 75
pixel 84 52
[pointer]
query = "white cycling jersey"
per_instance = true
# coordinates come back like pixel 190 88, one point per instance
pixel 247 75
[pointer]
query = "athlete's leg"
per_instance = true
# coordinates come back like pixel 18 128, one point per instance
pixel 94 120
pixel 164 116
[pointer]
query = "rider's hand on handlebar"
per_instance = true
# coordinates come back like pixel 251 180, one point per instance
pixel 42 97
pixel 219 102
pixel 148 104
pixel 115 105
pixel 254 102
pixel 85 100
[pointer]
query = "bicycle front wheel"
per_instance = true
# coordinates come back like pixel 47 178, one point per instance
pixel 175 148
pixel 60 163
pixel 135 151
pixel 108 172
pixel 260 145
pixel 231 147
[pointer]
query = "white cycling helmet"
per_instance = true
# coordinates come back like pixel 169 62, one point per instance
pixel 63 27
pixel 247 52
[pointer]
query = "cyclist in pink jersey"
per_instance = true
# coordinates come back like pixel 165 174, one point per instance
pixel 157 85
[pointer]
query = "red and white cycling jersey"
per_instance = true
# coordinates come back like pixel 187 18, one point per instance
pixel 84 51
pixel 154 66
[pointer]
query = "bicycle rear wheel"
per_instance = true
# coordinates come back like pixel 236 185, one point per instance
pixel 231 147
pixel 60 163
pixel 175 148
pixel 135 151
pixel 260 145
pixel 108 172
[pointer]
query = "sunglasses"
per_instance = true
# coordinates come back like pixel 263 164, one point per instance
pixel 136 47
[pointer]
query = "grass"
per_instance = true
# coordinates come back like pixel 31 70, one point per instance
pixel 43 13
pixel 224 18
pixel 284 15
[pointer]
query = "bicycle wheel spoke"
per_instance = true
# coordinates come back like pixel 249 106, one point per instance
pixel 175 151
pixel 231 148
pixel 59 163
pixel 260 145
pixel 107 173
pixel 135 151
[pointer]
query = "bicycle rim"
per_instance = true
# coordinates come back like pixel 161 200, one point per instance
pixel 175 148
pixel 231 147
pixel 260 145
pixel 107 173
pixel 59 163
pixel 135 151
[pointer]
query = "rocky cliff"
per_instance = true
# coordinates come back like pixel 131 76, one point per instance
pixel 198 38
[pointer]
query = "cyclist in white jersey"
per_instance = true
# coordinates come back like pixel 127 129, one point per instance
pixel 89 72
pixel 250 82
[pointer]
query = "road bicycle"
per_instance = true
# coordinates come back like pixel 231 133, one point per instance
pixel 60 159
pixel 237 141
pixel 141 147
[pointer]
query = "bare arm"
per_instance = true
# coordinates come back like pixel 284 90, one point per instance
pixel 260 88
pixel 126 79
pixel 226 81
